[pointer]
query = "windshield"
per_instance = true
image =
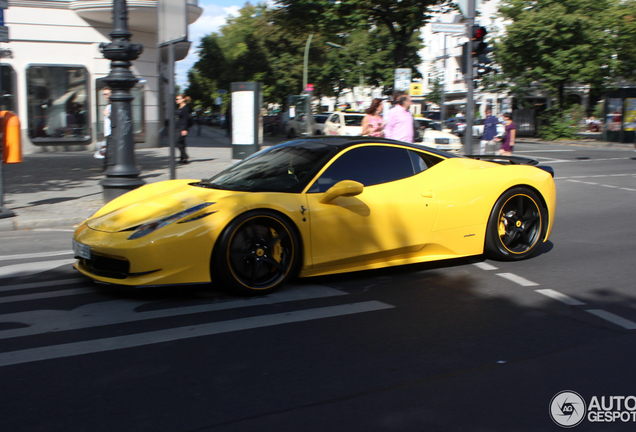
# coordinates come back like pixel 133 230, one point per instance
pixel 283 168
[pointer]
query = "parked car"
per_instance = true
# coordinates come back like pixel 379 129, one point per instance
pixel 430 134
pixel 478 128
pixel 344 123
pixel 319 123
pixel 457 125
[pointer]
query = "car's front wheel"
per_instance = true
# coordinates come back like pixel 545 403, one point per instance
pixel 516 225
pixel 256 253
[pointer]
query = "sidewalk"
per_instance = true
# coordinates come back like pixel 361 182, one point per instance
pixel 61 189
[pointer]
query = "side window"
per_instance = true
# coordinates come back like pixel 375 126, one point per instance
pixel 370 165
pixel 422 161
pixel 335 119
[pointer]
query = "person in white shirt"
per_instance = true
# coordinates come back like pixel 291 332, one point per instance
pixel 103 145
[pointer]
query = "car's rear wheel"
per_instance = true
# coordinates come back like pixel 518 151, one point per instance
pixel 256 253
pixel 516 225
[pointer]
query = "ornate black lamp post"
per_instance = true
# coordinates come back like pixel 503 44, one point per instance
pixel 121 174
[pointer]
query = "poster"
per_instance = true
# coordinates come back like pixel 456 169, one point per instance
pixel 614 114
pixel 243 114
pixel 630 114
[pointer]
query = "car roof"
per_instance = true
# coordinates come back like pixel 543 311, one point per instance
pixel 343 142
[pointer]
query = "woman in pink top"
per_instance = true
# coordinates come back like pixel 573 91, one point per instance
pixel 373 123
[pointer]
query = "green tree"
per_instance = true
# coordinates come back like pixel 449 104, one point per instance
pixel 556 42
pixel 401 19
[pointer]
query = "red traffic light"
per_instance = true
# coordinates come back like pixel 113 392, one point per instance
pixel 479 33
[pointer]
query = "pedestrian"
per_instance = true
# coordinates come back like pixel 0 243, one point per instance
pixel 489 133
pixel 102 146
pixel 373 122
pixel 183 123
pixel 399 120
pixel 508 141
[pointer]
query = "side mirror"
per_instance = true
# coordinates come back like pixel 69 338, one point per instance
pixel 344 188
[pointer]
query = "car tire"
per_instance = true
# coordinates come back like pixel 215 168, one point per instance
pixel 256 253
pixel 516 225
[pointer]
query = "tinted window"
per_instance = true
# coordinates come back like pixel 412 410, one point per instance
pixel 283 168
pixel 335 118
pixel 320 119
pixel 369 165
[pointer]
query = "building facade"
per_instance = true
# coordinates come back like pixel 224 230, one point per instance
pixel 53 69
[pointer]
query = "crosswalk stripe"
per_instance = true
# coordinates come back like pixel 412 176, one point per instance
pixel 34 255
pixel 187 332
pixel 50 294
pixel 31 268
pixel 123 311
pixel 44 284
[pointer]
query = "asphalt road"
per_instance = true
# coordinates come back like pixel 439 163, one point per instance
pixel 463 345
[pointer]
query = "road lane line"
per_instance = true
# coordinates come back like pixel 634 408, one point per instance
pixel 609 186
pixel 35 255
pixel 628 189
pixel 31 268
pixel 187 332
pixel 560 297
pixel 517 279
pixel 18 287
pixel 125 311
pixel 485 266
pixel 614 319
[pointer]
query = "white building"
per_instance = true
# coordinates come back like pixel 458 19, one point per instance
pixel 439 43
pixel 54 71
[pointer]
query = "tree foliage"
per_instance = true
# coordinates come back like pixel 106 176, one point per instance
pixel 557 42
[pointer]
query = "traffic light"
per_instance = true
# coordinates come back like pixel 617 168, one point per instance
pixel 478 35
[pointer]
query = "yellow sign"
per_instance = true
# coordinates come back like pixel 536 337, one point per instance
pixel 416 89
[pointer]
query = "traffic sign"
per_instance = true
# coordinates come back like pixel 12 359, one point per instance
pixel 449 28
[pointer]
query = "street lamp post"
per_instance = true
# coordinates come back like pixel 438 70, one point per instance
pixel 121 174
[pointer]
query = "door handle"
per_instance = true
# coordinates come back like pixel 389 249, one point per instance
pixel 427 194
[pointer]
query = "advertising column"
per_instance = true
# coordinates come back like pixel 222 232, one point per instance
pixel 247 120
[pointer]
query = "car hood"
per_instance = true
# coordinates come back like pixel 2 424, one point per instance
pixel 161 200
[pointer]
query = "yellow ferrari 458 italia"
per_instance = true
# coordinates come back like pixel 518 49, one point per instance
pixel 318 206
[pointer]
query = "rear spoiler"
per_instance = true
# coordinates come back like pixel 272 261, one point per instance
pixel 512 160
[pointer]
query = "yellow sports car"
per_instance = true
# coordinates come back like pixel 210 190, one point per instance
pixel 318 206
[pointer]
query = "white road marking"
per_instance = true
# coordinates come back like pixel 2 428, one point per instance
pixel 187 332
pixel 25 286
pixel 50 294
pixel 517 279
pixel 615 319
pixel 628 189
pixel 35 255
pixel 560 297
pixel 54 229
pixel 485 266
pixel 609 186
pixel 124 311
pixel 26 269
pixel 544 151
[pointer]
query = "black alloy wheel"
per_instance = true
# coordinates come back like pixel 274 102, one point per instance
pixel 257 253
pixel 516 225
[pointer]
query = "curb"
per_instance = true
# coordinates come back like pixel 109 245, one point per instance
pixel 15 224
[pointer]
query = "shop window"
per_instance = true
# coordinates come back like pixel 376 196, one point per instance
pixel 7 89
pixel 137 106
pixel 58 104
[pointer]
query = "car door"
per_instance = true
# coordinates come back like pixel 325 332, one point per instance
pixel 332 125
pixel 393 215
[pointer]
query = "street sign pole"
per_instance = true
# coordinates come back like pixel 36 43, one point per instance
pixel 4 37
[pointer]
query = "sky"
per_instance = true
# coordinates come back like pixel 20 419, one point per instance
pixel 215 13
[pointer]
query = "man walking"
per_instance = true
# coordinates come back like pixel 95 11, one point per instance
pixel 490 132
pixel 399 120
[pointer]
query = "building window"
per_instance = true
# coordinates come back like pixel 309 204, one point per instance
pixel 137 109
pixel 7 96
pixel 57 104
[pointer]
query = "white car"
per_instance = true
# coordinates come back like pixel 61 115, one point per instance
pixel 344 123
pixel 478 128
pixel 430 134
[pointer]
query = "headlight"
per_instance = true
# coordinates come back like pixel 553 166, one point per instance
pixel 455 141
pixel 147 228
